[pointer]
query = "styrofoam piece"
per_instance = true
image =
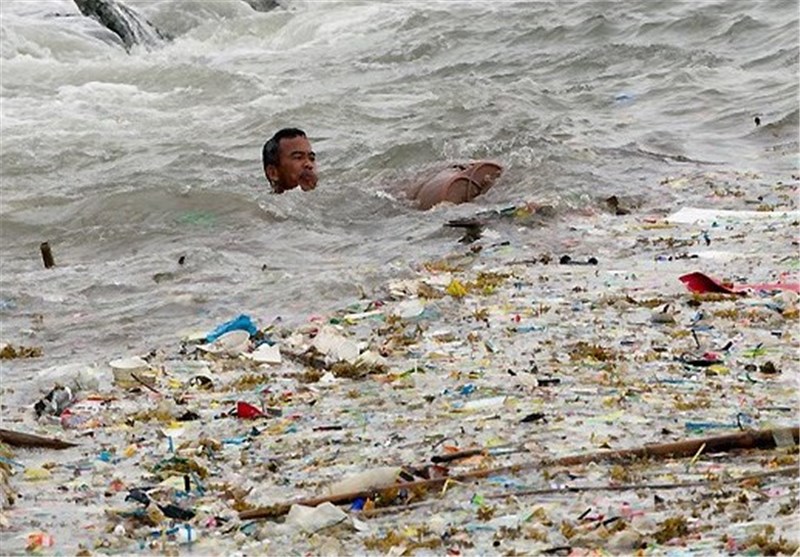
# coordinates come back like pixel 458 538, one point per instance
pixel 134 364
pixel 696 215
pixel 409 309
pixel 483 403
pixel 335 345
pixel 372 358
pixel 266 354
pixel 369 479
pixel 313 519
pixel 124 369
pixel 232 343
pixel 355 317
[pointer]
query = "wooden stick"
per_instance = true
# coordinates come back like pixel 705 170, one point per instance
pixel 691 447
pixel 788 471
pixel 18 439
pixel 466 453
pixel 47 255
pixel 764 439
pixel 145 383
pixel 449 457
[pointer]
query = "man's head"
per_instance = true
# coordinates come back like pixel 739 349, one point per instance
pixel 289 161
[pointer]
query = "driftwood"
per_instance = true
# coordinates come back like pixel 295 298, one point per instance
pixel 706 483
pixel 18 439
pixel 466 453
pixel 745 440
pixel 764 439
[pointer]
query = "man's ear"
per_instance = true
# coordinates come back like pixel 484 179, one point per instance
pixel 271 172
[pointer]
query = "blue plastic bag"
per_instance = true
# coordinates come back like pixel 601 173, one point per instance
pixel 242 322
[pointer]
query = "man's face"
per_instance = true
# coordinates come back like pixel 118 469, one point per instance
pixel 296 165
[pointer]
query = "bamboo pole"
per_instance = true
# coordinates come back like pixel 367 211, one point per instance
pixel 763 439
pixel 18 439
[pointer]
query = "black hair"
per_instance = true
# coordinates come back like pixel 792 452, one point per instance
pixel 269 154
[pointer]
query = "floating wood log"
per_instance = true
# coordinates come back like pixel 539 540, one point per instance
pixel 763 439
pixel 28 440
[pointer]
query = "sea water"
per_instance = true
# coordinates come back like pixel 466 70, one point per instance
pixel 142 169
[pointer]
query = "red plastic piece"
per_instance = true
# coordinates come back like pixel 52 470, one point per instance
pixel 247 411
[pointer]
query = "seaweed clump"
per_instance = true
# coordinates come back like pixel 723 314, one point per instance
pixel 673 527
pixel 767 545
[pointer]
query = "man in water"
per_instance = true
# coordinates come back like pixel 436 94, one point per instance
pixel 289 162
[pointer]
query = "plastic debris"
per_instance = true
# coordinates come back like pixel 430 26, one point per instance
pixel 369 479
pixel 336 346
pixel 498 401
pixel 241 322
pixel 54 402
pixel 39 540
pixel 266 354
pixel 126 370
pixel 247 411
pixel 313 519
pixel 231 343
pixel 702 283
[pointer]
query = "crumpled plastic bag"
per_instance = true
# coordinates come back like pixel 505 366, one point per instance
pixel 313 519
pixel 369 479
pixel 335 346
